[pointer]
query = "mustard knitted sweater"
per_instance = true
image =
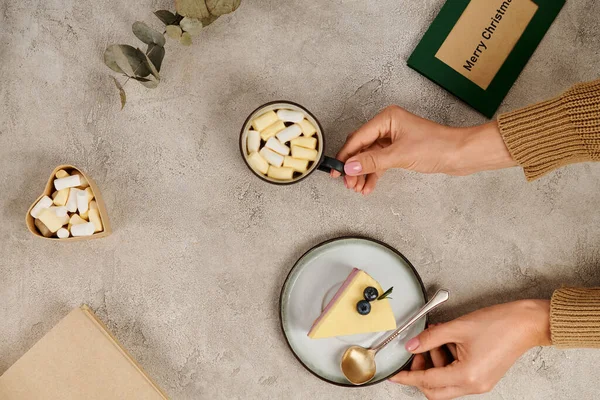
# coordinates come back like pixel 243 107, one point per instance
pixel 541 138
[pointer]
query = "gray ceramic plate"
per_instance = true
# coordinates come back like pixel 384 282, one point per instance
pixel 313 281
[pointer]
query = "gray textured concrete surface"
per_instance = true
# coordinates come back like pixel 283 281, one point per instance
pixel 189 281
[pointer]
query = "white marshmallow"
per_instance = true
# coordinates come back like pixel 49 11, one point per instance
pixel 290 116
pixel 90 194
pixel 266 119
pixel 271 157
pixel 282 174
pixel 76 219
pixel 86 229
pixel 277 146
pixel 303 153
pixel 62 233
pixel 83 183
pixel 67 182
pixel 257 162
pixel 94 216
pixel 303 141
pixel 289 133
pixel 43 228
pixel 308 129
pixel 45 202
pixel 61 173
pixel 82 201
pixel 253 141
pixel 61 197
pixel 60 211
pixel 295 164
pixel 72 200
pixel 52 221
pixel 272 130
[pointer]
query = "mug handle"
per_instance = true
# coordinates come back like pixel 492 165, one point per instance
pixel 329 163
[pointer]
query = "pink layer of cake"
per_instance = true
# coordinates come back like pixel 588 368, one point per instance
pixel 335 297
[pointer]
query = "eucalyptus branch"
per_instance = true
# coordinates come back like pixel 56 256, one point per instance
pixel 188 21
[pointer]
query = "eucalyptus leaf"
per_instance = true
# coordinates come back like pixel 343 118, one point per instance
pixel 174 31
pixel 191 25
pixel 156 54
pixel 222 7
pixel 167 17
pixel 209 20
pixel 151 67
pixel 149 83
pixel 147 34
pixel 138 61
pixel 124 59
pixel 186 39
pixel 121 92
pixel 143 70
pixel 192 8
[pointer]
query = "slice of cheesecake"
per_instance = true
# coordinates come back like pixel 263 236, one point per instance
pixel 340 317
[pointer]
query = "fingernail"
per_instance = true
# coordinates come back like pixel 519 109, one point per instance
pixel 346 182
pixel 353 168
pixel 412 344
pixel 366 192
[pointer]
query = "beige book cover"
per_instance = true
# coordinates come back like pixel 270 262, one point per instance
pixel 78 359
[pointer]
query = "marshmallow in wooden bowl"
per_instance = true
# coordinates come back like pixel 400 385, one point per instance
pixel 71 208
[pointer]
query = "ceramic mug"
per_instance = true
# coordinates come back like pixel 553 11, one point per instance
pixel 322 163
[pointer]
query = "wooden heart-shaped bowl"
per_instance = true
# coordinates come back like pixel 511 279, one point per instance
pixel 30 221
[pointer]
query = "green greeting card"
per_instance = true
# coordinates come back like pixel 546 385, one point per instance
pixel 476 49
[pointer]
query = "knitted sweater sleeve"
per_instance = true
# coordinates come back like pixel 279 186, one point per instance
pixel 541 138
pixel 575 317
pixel 556 132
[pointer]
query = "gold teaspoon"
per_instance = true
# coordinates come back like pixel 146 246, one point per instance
pixel 358 363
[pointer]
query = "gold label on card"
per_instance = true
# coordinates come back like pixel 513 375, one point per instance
pixel 484 36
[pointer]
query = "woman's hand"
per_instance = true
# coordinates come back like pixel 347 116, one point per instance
pixel 396 138
pixel 484 345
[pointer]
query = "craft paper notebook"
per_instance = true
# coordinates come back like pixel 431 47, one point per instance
pixel 78 359
pixel 476 49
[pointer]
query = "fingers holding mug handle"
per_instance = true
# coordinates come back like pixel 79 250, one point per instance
pixel 329 164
